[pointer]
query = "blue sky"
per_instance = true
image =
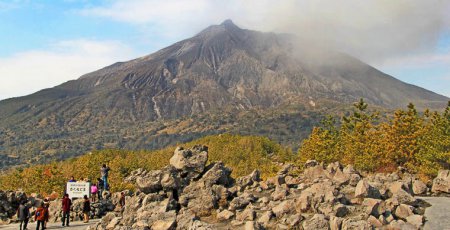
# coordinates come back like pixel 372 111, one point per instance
pixel 45 43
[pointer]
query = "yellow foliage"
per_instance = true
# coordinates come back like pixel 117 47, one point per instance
pixel 242 154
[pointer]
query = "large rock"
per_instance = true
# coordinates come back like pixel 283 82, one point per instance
pixel 318 221
pixel 149 182
pixel 442 182
pixel 190 161
pixel 403 211
pixel 418 187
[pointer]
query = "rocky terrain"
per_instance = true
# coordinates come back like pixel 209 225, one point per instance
pixel 219 80
pixel 190 194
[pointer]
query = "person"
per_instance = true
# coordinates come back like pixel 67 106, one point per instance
pixel 40 216
pixel 100 187
pixel 46 206
pixel 72 179
pixel 104 170
pixel 23 215
pixel 94 190
pixel 122 200
pixel 86 208
pixel 66 203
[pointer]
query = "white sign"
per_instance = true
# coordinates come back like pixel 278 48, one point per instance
pixel 78 189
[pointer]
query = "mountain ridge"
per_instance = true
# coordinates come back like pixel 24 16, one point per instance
pixel 222 73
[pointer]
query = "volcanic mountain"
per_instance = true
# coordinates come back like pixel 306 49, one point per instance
pixel 213 82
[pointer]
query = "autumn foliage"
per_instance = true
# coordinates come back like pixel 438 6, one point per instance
pixel 242 153
pixel 419 142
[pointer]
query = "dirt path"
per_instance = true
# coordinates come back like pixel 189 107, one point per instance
pixel 438 215
pixel 76 225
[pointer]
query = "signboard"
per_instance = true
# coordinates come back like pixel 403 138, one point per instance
pixel 78 189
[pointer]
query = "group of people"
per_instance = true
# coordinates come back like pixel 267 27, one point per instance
pixel 41 215
pixel 97 188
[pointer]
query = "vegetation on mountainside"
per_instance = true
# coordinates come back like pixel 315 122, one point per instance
pixel 419 142
pixel 242 153
pixel 44 138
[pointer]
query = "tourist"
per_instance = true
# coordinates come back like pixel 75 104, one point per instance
pixel 23 215
pixel 104 172
pixel 94 190
pixel 72 179
pixel 66 203
pixel 86 208
pixel 122 200
pixel 40 216
pixel 100 186
pixel 46 206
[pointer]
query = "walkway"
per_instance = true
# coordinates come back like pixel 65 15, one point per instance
pixel 76 225
pixel 438 215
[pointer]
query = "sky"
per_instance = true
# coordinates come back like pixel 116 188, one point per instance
pixel 44 43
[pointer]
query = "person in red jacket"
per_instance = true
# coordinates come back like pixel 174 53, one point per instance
pixel 66 203
pixel 40 216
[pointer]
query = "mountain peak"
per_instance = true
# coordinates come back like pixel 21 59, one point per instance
pixel 227 22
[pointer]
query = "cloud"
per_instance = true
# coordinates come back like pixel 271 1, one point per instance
pixel 418 61
pixel 34 70
pixel 372 30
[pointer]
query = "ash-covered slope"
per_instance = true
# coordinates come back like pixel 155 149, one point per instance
pixel 224 65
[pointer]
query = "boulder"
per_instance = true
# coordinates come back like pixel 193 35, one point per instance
pixel 149 182
pixel 282 208
pixel 164 224
pixel 191 162
pixel 245 181
pixel 403 211
pixel 442 182
pixel 418 187
pixel 416 220
pixel 335 223
pixel 247 214
pixel 252 225
pixel 318 221
pixel 225 215
pixel 376 223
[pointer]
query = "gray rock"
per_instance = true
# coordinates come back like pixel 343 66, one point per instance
pixel 416 220
pixel 190 162
pixel 403 211
pixel 318 221
pixel 442 182
pixel 419 187
pixel 225 215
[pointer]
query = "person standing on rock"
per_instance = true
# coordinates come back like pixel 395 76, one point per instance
pixel 104 170
pixel 86 209
pixel 40 216
pixel 94 190
pixel 100 188
pixel 66 204
pixel 23 215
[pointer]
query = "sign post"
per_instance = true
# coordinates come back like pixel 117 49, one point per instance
pixel 78 189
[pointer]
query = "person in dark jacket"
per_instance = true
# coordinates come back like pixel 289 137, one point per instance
pixel 100 186
pixel 86 208
pixel 23 215
pixel 40 216
pixel 46 206
pixel 104 171
pixel 66 204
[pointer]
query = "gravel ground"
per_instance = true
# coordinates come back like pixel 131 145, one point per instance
pixel 438 215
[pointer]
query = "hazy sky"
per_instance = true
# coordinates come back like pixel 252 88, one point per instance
pixel 45 43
